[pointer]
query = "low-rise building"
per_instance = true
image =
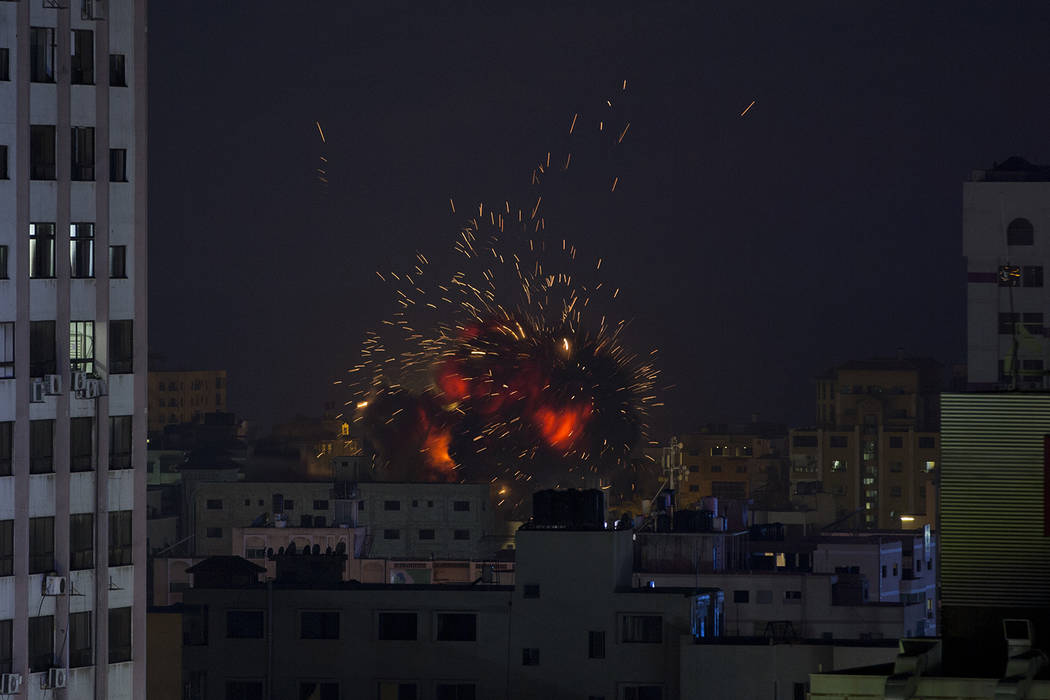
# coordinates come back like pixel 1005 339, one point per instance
pixel 184 397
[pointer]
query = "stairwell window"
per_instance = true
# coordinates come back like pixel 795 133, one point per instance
pixel 81 250
pixel 3 161
pixel 7 547
pixel 121 347
pixel 118 262
pixel 7 350
pixel 82 153
pixel 119 635
pixel 117 70
pixel 82 62
pixel 41 643
pixel 42 54
pixel 5 63
pixel 82 346
pixel 80 638
pixel 120 428
pixel 81 444
pixel 120 538
pixel 41 545
pixel 81 541
pixel 6 648
pixel 41 447
pixel 41 250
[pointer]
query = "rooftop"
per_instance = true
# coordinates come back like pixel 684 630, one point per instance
pixel 1013 169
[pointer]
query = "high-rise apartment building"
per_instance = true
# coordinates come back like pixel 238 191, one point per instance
pixel 73 348
pixel 1006 243
pixel 875 447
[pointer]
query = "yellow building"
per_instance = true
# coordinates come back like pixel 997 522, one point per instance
pixel 728 463
pixel 876 445
pixel 183 397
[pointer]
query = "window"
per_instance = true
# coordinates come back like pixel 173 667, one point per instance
pixel 840 441
pixel 461 506
pixel 643 692
pixel 392 505
pixel 3 248
pixel 1032 276
pixel 41 251
pixel 741 596
pixel 461 534
pixel 82 153
pixel 693 468
pixel 319 625
pixel 120 538
pixel 82 346
pixel 5 63
pixel 694 488
pixel 456 627
pixel 895 568
pixel 426 534
pixel 646 629
pixel 41 643
pixel 397 690
pixel 717 451
pixel 81 250
pixel 799 691
pixel 1033 323
pixel 896 443
pixel 715 468
pixel 7 547
pixel 6 656
pixel 244 624
pixel 929 466
pixel 3 154
pixel 922 492
pixel 117 71
pixel 121 347
pixel 883 571
pixel 213 532
pixel 531 590
pixel 244 690
pixel 530 657
pixel 804 441
pixel 764 597
pixel 320 505
pixel 213 504
pixel 289 504
pixel 1020 232
pixel 118 165
pixel 896 467
pixel 455 691
pixel 80 637
pixel 895 491
pixel 838 465
pixel 120 442
pixel 81 541
pixel 7 351
pixel 1007 322
pixel 318 690
pixel 741 469
pixel 81 444
pixel 391 534
pixel 792 596
pixel 1032 366
pixel 596 644
pixel 42 54
pixel 41 446
pixel 195 625
pixel 396 626
pixel 82 62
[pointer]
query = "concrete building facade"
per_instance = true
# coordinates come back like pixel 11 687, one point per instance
pixel 184 397
pixel 73 347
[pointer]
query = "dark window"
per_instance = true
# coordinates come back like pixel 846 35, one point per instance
pixel 1033 323
pixel 716 468
pixel 80 638
pixel 244 624
pixel 120 538
pixel 82 154
pixel 118 165
pixel 318 690
pixel 117 71
pixel 1020 232
pixel 5 63
pixel 1032 366
pixel 426 534
pixel 6 430
pixel 41 643
pixel 530 657
pixel 792 595
pixel 278 503
pixel 120 442
pixel 804 441
pixel 82 346
pixel 397 626
pixel 289 504
pixel 927 443
pixel 118 262
pixel 82 63
pixel 5 645
pixel 81 444
pixel 42 54
pixel 1007 322
pixel 694 488
pixel 693 468
pixel 531 590
pixel 119 635
pixel 42 253
pixel 799 691
pixel 320 505
pixel 883 571
pixel 121 347
pixel 455 691
pixel 840 441
pixel 456 627
pixel 896 466
pixel 81 541
pixel 596 644
pixel 397 690
pixel 643 692
pixel 461 534
pixel 896 443
pixel 641 628
pixel 3 160
pixel 244 690
pixel 895 491
pixel 214 504
pixel 461 506
pixel 392 505
pixel 3 248
pixel 41 152
pixel 1032 276
pixel 741 596
pixel 41 446
pixel 195 625
pixel 7 547
pixel 319 625
pixel 391 534
pixel 7 352
pixel 308 521
pixel 213 532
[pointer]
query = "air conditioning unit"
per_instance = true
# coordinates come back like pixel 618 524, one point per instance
pixel 36 391
pixel 52 384
pixel 79 381
pixel 56 678
pixel 54 585
pixel 10 683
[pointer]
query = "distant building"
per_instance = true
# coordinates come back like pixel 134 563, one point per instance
pixel 184 397
pixel 731 462
pixel 875 447
pixel 1006 242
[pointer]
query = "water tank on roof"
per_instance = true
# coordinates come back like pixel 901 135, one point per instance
pixel 543 508
pixel 590 510
pixel 561 509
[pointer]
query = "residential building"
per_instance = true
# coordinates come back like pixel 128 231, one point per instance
pixel 73 347
pixel 1007 248
pixel 731 462
pixel 184 397
pixel 875 447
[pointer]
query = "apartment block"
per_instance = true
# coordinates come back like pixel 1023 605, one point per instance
pixel 184 397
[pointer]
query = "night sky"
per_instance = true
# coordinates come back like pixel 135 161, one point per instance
pixel 754 251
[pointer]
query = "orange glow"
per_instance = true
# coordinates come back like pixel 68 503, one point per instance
pixel 435 448
pixel 454 386
pixel 560 427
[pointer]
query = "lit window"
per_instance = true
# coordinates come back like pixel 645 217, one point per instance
pixel 82 346
pixel 838 465
pixel 930 465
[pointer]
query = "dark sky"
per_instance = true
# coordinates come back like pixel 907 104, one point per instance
pixel 754 251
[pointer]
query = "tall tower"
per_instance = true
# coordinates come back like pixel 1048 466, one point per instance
pixel 73 347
